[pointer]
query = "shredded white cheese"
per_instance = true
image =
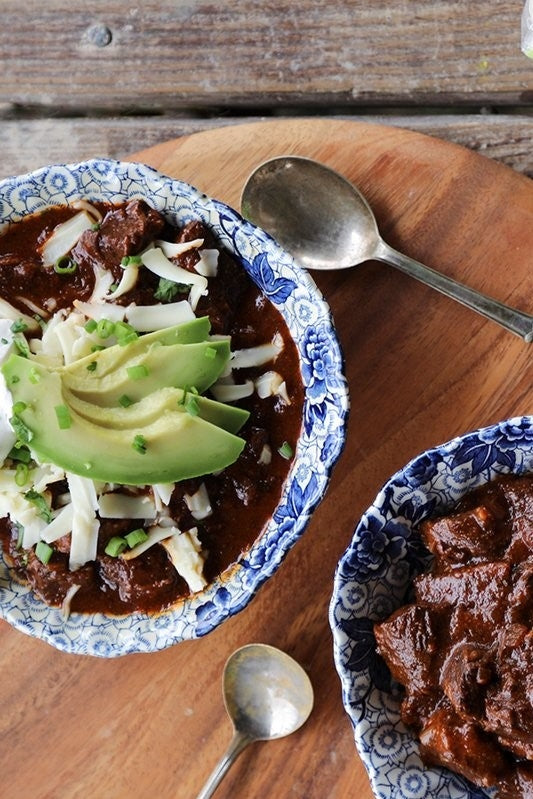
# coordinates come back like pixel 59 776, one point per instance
pixel 255 356
pixel 208 263
pixel 66 604
pixel 185 552
pixel 155 535
pixel 64 236
pixel 173 249
pixel 8 311
pixel 84 524
pixel 272 384
pixel 156 261
pixel 127 282
pixel 266 455
pixel 147 318
pixel 25 513
pixel 199 503
pixel 231 392
pixel 103 280
pixel 60 525
pixel 162 494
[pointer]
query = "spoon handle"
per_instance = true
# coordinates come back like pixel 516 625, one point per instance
pixel 517 322
pixel 237 744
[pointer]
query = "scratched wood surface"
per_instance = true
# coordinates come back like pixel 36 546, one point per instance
pixel 173 55
pixel 421 369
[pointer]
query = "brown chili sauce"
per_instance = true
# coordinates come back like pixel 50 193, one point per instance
pixel 244 496
pixel 463 650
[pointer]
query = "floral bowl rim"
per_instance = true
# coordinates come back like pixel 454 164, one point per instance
pixel 371 580
pixel 326 404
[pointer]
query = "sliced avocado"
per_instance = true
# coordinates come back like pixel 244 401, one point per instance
pixel 148 409
pixel 175 446
pixel 111 358
pixel 176 365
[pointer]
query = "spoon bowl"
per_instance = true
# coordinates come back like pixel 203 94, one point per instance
pixel 326 223
pixel 267 695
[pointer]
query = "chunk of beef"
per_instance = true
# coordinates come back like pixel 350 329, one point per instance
pixel 151 571
pixel 51 581
pixel 518 783
pixel 123 231
pixel 475 596
pixel 408 643
pixel 465 677
pixel 519 496
pixel 450 741
pixel 465 538
pixel 509 703
pixel 520 608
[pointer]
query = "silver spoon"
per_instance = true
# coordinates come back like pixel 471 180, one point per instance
pixel 326 223
pixel 267 695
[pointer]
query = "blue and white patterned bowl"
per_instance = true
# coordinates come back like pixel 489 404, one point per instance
pixel 325 409
pixel 372 580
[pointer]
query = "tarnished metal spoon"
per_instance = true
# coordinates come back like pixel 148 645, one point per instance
pixel 267 695
pixel 325 223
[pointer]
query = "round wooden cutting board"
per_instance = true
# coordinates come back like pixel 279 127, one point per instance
pixel 421 369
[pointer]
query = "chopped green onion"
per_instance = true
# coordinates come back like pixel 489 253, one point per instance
pixel 113 287
pixel 21 474
pixel 125 333
pixel 210 352
pixel 19 407
pixel 95 226
pixel 105 328
pixel 90 325
pixel 137 372
pixel 19 326
pixel 20 453
pixel 40 321
pixel 191 404
pixel 44 552
pixel 97 348
pixel 40 503
pixel 34 375
pixel 22 431
pixel 115 546
pixel 22 345
pixel 131 260
pixel 91 367
pixel 286 450
pixel 125 401
pixel 139 444
pixel 63 417
pixel 65 265
pixel 4 341
pixel 136 537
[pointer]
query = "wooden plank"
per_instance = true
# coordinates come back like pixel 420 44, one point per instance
pixel 30 143
pixel 162 54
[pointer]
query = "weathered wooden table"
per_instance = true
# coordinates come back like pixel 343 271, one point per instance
pixel 116 79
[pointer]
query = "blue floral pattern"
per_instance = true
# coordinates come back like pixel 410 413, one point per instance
pixel 373 579
pixel 308 317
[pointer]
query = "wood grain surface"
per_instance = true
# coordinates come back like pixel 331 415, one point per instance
pixel 421 369
pixel 199 53
pixel 31 143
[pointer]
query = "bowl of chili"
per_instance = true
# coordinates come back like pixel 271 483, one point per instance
pixel 72 306
pixel 388 568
